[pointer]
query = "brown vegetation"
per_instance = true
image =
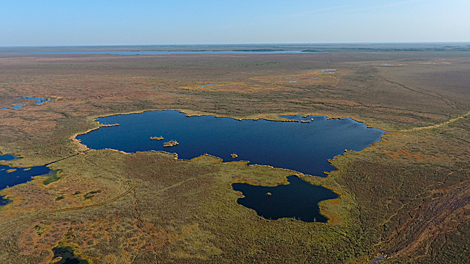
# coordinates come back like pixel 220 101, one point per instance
pixel 170 143
pixel 406 196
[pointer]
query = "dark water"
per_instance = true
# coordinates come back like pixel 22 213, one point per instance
pixel 20 175
pixel 7 157
pixel 303 147
pixel 68 256
pixel 299 199
pixel 39 100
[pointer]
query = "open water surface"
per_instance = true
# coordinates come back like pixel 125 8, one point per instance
pixel 18 106
pixel 11 176
pixel 7 157
pixel 303 147
pixel 298 199
pixel 39 100
pixel 67 256
pixel 303 144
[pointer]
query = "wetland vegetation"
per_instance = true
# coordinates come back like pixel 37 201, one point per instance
pixel 11 176
pixel 404 198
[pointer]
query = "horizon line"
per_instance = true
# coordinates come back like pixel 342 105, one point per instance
pixel 238 44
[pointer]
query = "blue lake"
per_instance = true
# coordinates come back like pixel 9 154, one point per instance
pixel 298 199
pixel 7 157
pixel 301 146
pixel 18 106
pixel 18 176
pixel 39 100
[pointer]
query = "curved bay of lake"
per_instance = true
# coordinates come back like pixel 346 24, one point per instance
pixel 305 146
pixel 11 176
pixel 298 199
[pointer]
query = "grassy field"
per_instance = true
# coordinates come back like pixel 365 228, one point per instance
pixel 405 197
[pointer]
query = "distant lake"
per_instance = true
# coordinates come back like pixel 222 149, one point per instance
pixel 150 52
pixel 298 199
pixel 300 146
pixel 38 101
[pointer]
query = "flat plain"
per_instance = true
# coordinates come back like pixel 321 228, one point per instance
pixel 404 199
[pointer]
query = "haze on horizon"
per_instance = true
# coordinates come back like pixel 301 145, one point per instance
pixel 146 22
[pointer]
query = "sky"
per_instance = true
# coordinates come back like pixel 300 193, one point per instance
pixel 146 22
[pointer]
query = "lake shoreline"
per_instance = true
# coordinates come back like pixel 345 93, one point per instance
pixel 191 113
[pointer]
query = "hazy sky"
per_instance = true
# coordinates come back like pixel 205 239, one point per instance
pixel 134 22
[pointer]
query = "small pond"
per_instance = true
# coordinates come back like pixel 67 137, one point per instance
pixel 298 199
pixel 303 144
pixel 7 157
pixel 11 176
pixel 39 100
pixel 18 106
pixel 67 256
